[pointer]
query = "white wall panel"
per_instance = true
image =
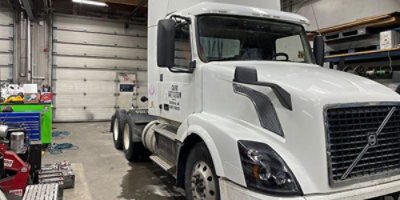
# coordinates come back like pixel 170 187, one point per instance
pixel 142 77
pixel 6 32
pixel 81 62
pixel 89 55
pixel 6 45
pixel 99 39
pixel 6 18
pixel 88 101
pixel 5 59
pixel 72 74
pixel 80 114
pixel 81 86
pixel 102 26
pixel 99 51
pixel 5 73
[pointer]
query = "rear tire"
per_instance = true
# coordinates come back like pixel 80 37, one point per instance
pixel 112 123
pixel 134 151
pixel 201 181
pixel 118 125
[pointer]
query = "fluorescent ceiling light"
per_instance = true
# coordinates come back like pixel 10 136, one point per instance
pixel 95 3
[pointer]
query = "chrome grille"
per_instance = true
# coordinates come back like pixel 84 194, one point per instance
pixel 348 128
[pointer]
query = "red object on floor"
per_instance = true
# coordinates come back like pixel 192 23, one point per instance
pixel 12 162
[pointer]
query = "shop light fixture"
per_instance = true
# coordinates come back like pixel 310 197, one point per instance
pixel 94 3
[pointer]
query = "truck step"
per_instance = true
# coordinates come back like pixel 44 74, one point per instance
pixel 160 162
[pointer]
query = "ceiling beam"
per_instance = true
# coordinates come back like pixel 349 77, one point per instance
pixel 125 2
pixel 27 4
pixel 142 4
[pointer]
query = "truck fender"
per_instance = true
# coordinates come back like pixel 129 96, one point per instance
pixel 212 148
pixel 189 137
pixel 139 119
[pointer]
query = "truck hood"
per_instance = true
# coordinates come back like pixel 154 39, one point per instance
pixel 303 146
pixel 314 83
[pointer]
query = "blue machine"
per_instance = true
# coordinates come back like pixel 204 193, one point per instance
pixel 28 120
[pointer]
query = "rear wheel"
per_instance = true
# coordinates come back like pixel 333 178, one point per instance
pixel 118 126
pixel 112 123
pixel 201 181
pixel 134 150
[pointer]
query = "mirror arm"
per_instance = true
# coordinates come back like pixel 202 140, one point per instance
pixel 187 19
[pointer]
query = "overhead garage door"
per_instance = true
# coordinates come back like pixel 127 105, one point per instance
pixel 6 45
pixel 91 59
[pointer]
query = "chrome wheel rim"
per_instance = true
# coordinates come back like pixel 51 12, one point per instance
pixel 203 183
pixel 126 136
pixel 116 129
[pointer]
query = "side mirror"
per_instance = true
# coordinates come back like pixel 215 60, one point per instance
pixel 166 43
pixel 319 49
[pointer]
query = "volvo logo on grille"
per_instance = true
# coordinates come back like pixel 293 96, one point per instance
pixel 372 140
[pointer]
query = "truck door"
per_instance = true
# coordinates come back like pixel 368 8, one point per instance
pixel 177 87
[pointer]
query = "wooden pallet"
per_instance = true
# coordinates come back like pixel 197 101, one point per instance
pixel 361 53
pixel 380 22
pixel 353 50
pixel 345 34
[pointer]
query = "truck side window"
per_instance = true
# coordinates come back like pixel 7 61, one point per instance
pixel 183 54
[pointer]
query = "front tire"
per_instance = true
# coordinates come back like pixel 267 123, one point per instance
pixel 201 181
pixel 134 151
pixel 118 126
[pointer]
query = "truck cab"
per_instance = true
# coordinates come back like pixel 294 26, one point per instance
pixel 240 108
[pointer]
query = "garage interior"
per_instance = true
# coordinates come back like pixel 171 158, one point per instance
pixel 67 67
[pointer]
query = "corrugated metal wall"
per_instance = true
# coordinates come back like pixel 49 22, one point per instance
pixel 6 44
pixel 88 56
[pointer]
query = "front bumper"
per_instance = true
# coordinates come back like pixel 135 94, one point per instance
pixel 232 191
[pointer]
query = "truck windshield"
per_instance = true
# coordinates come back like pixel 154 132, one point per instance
pixel 224 38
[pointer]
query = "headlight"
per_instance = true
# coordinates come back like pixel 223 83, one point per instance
pixel 265 171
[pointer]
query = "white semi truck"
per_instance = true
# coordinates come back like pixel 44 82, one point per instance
pixel 240 108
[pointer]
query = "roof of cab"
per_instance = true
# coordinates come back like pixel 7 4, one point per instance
pixel 230 9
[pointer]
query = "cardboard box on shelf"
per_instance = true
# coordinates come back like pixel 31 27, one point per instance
pixel 31 98
pixel 30 88
pixel 389 39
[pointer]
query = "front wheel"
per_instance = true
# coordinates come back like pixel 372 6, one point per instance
pixel 201 181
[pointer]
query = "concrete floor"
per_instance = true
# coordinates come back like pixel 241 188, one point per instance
pixel 102 173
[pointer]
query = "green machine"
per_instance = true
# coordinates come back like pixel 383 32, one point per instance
pixel 45 120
